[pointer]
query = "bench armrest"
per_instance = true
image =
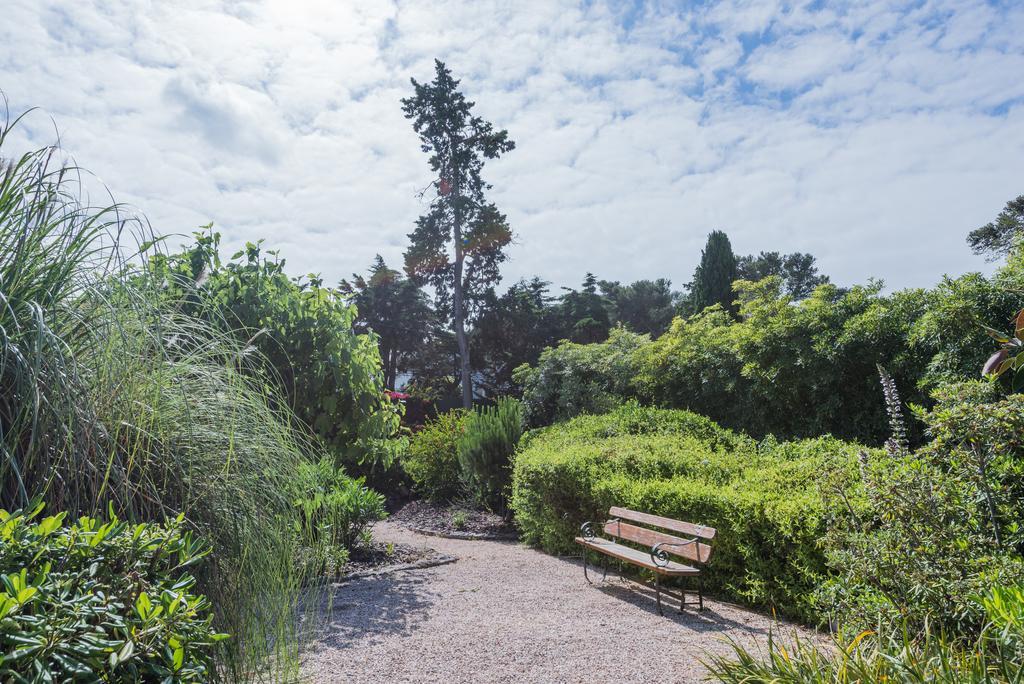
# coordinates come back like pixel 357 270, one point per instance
pixel 659 556
pixel 587 528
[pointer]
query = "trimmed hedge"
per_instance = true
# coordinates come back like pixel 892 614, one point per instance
pixel 763 497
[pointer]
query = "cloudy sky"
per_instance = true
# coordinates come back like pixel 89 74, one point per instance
pixel 874 135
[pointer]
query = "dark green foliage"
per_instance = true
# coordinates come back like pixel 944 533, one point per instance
pixel 781 369
pixel 579 378
pixel 585 313
pixel 395 310
pixel 762 497
pixel 511 330
pixel 712 281
pixel 485 448
pixel 432 460
pixel 435 365
pixel 461 222
pixel 95 601
pixel 996 239
pixel 645 306
pixel 330 374
pixel 951 327
pixel 797 270
pixel 894 655
pixel 515 328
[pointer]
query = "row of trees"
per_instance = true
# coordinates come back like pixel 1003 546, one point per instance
pixel 512 328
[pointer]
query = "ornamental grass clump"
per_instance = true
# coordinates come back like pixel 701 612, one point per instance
pixel 110 395
pixel 892 654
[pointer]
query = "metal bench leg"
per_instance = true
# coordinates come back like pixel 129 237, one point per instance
pixel 604 568
pixel 585 575
pixel 657 592
pixel 682 597
pixel 700 593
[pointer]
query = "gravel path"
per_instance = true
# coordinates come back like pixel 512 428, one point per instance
pixel 507 613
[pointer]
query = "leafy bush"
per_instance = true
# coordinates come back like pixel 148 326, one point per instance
pixel 761 496
pixel 485 449
pixel 573 379
pixel 95 601
pixel 895 655
pixel 936 527
pixel 331 376
pixel 336 510
pixel 432 459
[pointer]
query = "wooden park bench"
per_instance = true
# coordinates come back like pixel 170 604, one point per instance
pixel 657 547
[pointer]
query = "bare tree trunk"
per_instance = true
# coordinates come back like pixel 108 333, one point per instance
pixel 459 310
pixel 392 368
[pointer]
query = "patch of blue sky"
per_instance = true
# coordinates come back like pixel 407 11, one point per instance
pixel 1003 108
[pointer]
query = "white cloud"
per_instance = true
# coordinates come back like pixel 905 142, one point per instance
pixel 800 60
pixel 873 134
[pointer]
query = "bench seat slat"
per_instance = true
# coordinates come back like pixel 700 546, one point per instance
pixel 685 548
pixel 664 523
pixel 635 557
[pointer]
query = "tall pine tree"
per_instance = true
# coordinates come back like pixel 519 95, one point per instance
pixel 459 244
pixel 712 281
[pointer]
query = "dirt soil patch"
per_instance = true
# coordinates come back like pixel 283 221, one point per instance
pixel 379 555
pixel 448 520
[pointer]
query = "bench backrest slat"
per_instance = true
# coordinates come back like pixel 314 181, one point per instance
pixel 688 549
pixel 679 526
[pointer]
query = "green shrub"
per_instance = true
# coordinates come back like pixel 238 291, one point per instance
pixel 304 333
pixel 485 451
pixel 336 509
pixel 936 526
pixel 763 498
pixel 573 379
pixel 432 460
pixel 95 601
pixel 893 655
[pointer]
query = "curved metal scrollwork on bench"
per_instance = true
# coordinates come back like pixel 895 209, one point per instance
pixel 587 528
pixel 659 555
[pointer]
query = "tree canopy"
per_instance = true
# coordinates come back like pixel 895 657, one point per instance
pixel 995 238
pixel 798 271
pixel 394 308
